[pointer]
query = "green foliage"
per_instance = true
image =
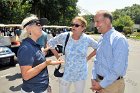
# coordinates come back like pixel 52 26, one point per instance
pixel 12 11
pixel 89 33
pixel 127 30
pixel 123 21
pixel 58 12
pixel 135 35
pixel 89 19
pixel 133 12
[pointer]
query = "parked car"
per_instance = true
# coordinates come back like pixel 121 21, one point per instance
pixel 6 55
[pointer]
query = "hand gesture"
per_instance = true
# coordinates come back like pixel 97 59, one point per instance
pixel 46 48
pixel 61 57
pixel 50 62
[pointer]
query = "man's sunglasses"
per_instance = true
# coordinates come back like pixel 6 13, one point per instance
pixel 75 25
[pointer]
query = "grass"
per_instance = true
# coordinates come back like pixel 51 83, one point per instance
pixel 135 35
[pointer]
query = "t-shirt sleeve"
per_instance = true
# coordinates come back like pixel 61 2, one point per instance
pixel 92 43
pixel 57 40
pixel 25 56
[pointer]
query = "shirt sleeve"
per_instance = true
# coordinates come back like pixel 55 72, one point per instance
pixel 120 61
pixel 57 40
pixel 92 43
pixel 94 74
pixel 25 56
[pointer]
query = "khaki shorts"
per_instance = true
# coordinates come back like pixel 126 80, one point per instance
pixel 117 87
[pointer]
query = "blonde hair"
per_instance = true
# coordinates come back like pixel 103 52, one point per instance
pixel 24 33
pixel 82 19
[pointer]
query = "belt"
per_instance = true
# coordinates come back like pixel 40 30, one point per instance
pixel 101 77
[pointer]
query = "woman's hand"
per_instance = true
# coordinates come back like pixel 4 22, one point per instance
pixel 46 48
pixel 50 62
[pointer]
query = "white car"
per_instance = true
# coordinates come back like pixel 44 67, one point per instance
pixel 6 55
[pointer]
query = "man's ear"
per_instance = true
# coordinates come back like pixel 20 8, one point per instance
pixel 107 20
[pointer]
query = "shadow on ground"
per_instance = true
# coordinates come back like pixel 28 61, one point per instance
pixel 15 88
pixel 13 77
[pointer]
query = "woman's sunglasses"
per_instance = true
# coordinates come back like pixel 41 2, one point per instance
pixel 75 25
pixel 32 22
pixel 37 23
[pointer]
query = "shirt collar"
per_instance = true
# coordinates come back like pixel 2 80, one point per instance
pixel 32 42
pixel 108 32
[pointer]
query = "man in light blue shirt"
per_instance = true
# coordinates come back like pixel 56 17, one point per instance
pixel 111 59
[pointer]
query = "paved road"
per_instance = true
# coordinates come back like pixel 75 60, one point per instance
pixel 10 77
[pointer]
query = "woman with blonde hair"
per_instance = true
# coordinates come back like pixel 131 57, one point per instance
pixel 32 62
pixel 75 68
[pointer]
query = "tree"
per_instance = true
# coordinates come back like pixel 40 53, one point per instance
pixel 58 12
pixel 90 22
pixel 123 21
pixel 12 11
pixel 133 12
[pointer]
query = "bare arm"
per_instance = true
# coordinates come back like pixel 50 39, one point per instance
pixel 29 72
pixel 56 54
pixel 93 53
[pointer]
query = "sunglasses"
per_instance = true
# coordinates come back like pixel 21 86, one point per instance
pixel 37 23
pixel 33 22
pixel 75 25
